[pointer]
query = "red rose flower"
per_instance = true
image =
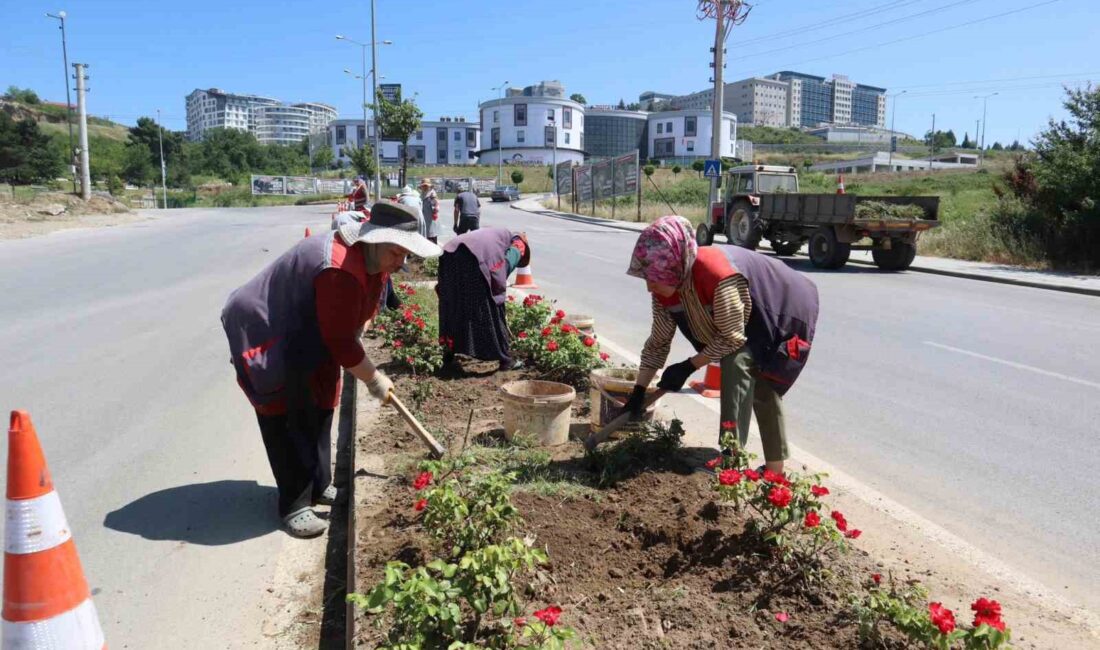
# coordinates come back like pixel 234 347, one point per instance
pixel 398 344
pixel 567 329
pixel 604 356
pixel 552 346
pixel 752 475
pixel 775 477
pixel 589 341
pixel 408 314
pixel 423 480
pixel 522 335
pixel 729 425
pixel 995 623
pixel 942 618
pixel 876 577
pixel 549 615
pixel 420 505
pixel 729 477
pixel 559 314
pixel 812 519
pixel 782 617
pixel 409 360
pixel 987 612
pixel 511 298
pixel 853 533
pixel 546 331
pixel 780 497
pixel 713 462
pixel 555 321
pixel 420 323
pixel 818 490
pixel 519 621
pixel 841 522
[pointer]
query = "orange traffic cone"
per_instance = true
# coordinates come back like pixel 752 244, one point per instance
pixel 47 603
pixel 711 386
pixel 840 184
pixel 308 233
pixel 524 279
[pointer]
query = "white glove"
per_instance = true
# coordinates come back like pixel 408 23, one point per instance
pixel 380 386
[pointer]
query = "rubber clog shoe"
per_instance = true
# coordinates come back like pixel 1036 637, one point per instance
pixel 304 523
pixel 328 497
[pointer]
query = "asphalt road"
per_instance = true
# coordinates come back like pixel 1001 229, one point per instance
pixel 973 404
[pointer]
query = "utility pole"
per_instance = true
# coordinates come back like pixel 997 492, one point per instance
pixel 932 144
pixel 985 107
pixel 68 98
pixel 893 132
pixel 82 110
pixel 374 103
pixel 500 133
pixel 163 168
pixel 716 109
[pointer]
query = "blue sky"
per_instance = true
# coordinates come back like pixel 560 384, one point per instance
pixel 148 55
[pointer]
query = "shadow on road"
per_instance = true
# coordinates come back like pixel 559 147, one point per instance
pixel 211 514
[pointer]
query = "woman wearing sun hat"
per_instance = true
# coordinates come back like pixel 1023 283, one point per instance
pixel 294 326
pixel 429 208
pixel 750 312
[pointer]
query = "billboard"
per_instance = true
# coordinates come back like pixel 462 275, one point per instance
pixel 268 184
pixel 626 174
pixel 295 185
pixel 563 174
pixel 602 179
pixel 390 92
pixel 584 183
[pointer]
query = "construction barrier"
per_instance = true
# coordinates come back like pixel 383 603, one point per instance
pixel 524 279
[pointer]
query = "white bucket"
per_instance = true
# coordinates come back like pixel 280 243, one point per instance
pixel 609 388
pixel 538 408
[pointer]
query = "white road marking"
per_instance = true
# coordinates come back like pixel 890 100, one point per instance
pixel 1019 366
pixel 595 257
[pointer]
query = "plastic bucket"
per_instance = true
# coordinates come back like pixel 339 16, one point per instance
pixel 538 408
pixel 585 323
pixel 609 388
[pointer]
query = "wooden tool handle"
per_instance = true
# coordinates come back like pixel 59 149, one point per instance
pixel 611 427
pixel 428 439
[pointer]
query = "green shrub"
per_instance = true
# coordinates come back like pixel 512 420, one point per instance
pixel 517 177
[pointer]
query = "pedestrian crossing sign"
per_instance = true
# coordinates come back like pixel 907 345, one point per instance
pixel 712 168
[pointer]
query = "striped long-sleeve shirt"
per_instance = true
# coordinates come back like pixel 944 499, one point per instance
pixel 718 326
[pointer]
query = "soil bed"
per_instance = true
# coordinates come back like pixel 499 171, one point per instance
pixel 651 561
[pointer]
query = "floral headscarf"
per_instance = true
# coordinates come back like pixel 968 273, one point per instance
pixel 665 252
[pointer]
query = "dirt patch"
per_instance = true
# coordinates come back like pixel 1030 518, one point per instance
pixel 52 211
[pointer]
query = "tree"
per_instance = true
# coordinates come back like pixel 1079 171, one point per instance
pixel 622 105
pixel 23 95
pixel 698 165
pixel 648 170
pixel 399 120
pixel 322 157
pixel 997 146
pixel 230 154
pixel 950 138
pixel 1016 146
pixel 967 144
pixel 362 160
pixel 633 106
pixel 517 176
pixel 579 98
pixel 941 140
pixel 137 165
pixel 26 154
pixel 676 169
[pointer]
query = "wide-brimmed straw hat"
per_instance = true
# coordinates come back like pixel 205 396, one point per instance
pixel 390 223
pixel 426 182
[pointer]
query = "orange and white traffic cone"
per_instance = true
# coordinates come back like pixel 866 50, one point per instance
pixel 711 386
pixel 47 603
pixel 524 279
pixel 840 184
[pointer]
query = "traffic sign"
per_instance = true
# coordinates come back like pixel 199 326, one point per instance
pixel 712 168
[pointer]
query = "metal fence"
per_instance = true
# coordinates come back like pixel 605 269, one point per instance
pixel 298 185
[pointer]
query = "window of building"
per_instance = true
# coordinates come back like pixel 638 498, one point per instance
pixel 471 138
pixel 691 145
pixel 660 127
pixel 520 136
pixel 495 136
pixel 668 127
pixel 441 135
pixel 420 135
pixel 520 116
pixel 441 155
pixel 360 134
pixel 549 136
pixel 458 136
pixel 458 155
pixel 567 118
pixel 733 129
pixel 567 137
pixel 664 147
pixel 550 115
pixel 689 126
pixel 496 117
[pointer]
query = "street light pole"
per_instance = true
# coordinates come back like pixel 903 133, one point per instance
pixel 68 99
pixel 893 122
pixel 163 171
pixel 374 80
pixel 985 107
pixel 500 132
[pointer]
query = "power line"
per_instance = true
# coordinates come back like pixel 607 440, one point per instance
pixel 921 35
pixel 985 81
pixel 894 21
pixel 889 6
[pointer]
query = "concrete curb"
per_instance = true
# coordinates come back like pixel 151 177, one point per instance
pixel 982 277
pixel 349 423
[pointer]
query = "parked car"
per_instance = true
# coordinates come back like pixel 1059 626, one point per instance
pixel 505 193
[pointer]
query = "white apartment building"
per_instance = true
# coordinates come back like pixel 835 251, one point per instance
pixel 447 141
pixel 270 120
pixel 687 134
pixel 522 128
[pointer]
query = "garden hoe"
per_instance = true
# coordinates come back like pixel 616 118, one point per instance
pixel 611 427
pixel 428 439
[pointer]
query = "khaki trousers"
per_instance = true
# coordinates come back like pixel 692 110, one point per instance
pixel 744 392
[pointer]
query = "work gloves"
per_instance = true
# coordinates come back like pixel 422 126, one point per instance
pixel 635 406
pixel 675 376
pixel 380 386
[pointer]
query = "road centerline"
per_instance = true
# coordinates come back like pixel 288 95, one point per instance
pixel 1014 364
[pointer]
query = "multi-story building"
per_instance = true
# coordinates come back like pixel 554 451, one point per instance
pixel 657 100
pixel 612 132
pixel 687 134
pixel 794 99
pixel 447 141
pixel 523 125
pixel 270 120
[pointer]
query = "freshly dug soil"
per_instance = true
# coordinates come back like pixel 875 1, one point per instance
pixel 653 562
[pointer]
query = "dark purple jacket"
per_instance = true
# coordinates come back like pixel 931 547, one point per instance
pixel 489 246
